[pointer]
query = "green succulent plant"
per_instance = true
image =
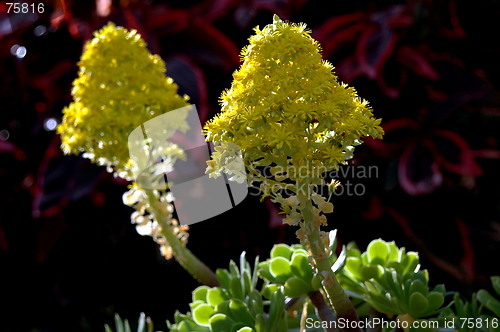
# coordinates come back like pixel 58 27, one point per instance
pixel 143 325
pixel 479 315
pixel 464 310
pixel 400 291
pixel 372 264
pixel 289 266
pixel 379 255
pixel 395 294
pixel 487 300
pixel 235 306
pixel 389 279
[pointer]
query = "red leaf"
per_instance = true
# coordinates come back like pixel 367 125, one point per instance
pixel 133 22
pixel 61 179
pixel 344 36
pixel 416 62
pixel 339 30
pixel 348 69
pixel 243 12
pixel 402 21
pixel 392 86
pixel 47 83
pixel 38 189
pixel 296 5
pixel 375 209
pixel 457 28
pixel 468 258
pixel 487 153
pixel 191 81
pixel 207 44
pixel 9 147
pixel 418 172
pixel 172 20
pixel 212 10
pixel 435 94
pixel 333 25
pixel 454 154
pixel 422 247
pixel 398 133
pixel 373 49
pixel 401 123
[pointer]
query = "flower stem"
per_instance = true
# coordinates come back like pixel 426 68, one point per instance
pixel 323 311
pixel 338 298
pixel 183 255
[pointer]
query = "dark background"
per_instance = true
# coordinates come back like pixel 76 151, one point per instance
pixel 69 257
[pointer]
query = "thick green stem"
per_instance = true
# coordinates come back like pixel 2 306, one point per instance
pixel 338 298
pixel 324 311
pixel 183 255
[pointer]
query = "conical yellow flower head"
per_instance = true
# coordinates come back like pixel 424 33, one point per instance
pixel 120 86
pixel 287 109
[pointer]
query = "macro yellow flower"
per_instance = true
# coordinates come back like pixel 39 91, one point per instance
pixel 287 109
pixel 120 86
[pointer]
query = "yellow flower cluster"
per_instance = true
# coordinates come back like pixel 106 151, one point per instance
pixel 290 115
pixel 286 108
pixel 120 86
